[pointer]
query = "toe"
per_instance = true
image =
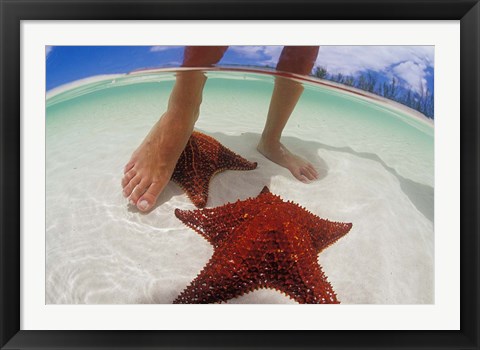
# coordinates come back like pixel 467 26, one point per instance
pixel 297 173
pixel 138 191
pixel 128 167
pixel 150 196
pixel 304 179
pixel 313 170
pixel 308 173
pixel 128 177
pixel 127 190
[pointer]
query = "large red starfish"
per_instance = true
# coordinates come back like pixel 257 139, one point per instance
pixel 202 158
pixel 262 242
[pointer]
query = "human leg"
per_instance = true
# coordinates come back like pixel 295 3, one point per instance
pixel 152 163
pixel 286 93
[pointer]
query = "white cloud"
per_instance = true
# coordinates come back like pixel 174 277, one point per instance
pixel 253 52
pixel 274 53
pixel 173 63
pixel 264 54
pixel 413 74
pixel 48 50
pixel 407 63
pixel 160 48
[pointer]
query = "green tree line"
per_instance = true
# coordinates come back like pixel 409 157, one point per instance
pixel 422 102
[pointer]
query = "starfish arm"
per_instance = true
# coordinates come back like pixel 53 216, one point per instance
pixel 220 280
pixel 202 158
pixel 294 268
pixel 193 173
pixel 324 233
pixel 305 288
pixel 196 190
pixel 216 224
pixel 232 161
pixel 224 158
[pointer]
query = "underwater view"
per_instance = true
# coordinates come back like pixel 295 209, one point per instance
pixel 361 230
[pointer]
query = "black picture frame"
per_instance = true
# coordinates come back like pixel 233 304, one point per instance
pixel 14 11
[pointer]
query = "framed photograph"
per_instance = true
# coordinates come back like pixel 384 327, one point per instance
pixel 257 157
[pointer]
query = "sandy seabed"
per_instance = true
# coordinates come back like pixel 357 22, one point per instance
pixel 101 250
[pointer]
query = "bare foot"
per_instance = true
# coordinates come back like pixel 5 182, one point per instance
pixel 278 153
pixel 151 165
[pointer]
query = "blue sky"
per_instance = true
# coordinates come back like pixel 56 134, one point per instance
pixel 412 66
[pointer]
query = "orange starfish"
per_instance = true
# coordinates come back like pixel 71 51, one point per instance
pixel 202 158
pixel 262 242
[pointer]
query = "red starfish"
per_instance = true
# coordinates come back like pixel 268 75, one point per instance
pixel 262 242
pixel 202 158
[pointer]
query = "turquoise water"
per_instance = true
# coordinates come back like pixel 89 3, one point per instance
pixel 376 163
pixel 327 115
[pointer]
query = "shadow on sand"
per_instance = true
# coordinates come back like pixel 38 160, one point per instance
pixel 422 196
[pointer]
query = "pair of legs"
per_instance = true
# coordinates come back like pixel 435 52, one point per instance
pixel 151 165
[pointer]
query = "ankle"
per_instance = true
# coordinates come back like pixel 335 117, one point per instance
pixel 269 140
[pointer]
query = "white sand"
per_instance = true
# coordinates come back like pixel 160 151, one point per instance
pixel 102 250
